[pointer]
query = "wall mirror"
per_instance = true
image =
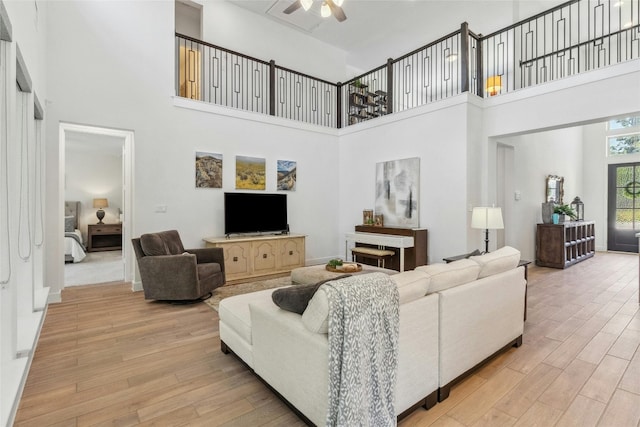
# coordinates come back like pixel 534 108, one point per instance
pixel 554 189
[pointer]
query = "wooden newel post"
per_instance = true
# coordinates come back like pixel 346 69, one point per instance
pixel 339 105
pixel 272 87
pixel 464 57
pixel 479 68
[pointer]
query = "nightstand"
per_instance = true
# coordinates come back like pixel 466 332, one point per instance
pixel 104 237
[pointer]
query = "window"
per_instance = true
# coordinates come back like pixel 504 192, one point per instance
pixel 623 136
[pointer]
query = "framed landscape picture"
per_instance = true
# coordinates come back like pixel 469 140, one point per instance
pixel 287 170
pixel 250 173
pixel 208 170
pixel 397 191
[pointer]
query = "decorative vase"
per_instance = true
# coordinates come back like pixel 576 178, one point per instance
pixel 547 211
pixel 556 218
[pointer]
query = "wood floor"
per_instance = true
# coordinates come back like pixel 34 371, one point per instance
pixel 107 357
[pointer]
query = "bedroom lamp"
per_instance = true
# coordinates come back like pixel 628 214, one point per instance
pixel 488 219
pixel 100 204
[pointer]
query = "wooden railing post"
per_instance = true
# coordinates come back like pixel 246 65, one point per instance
pixel 339 106
pixel 479 68
pixel 464 57
pixel 389 86
pixel 272 87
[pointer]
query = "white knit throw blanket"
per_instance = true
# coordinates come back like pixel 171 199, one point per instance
pixel 363 350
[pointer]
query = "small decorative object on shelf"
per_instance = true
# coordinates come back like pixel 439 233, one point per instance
pixel 378 220
pixel 547 212
pixel 578 206
pixel 565 210
pixel 367 217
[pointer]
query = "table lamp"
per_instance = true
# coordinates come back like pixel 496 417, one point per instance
pixel 488 219
pixel 100 204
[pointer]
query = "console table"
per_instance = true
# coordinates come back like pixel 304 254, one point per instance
pixel 104 237
pixel 410 244
pixel 254 256
pixel 562 245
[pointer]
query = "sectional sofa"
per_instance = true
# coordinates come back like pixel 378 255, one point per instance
pixel 452 318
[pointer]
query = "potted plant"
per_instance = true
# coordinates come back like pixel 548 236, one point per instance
pixel 565 210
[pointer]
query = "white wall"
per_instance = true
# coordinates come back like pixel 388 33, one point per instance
pixel 437 135
pixel 537 155
pixel 594 180
pixel 93 174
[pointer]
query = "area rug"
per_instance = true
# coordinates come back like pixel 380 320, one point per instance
pixel 244 288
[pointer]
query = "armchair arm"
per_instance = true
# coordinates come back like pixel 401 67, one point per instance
pixel 168 277
pixel 206 255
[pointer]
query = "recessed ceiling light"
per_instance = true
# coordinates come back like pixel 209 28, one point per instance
pixel 452 57
pixel 618 4
pixel 628 25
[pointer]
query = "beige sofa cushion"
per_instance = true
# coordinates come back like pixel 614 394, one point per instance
pixel 498 261
pixel 411 285
pixel 316 316
pixel 445 276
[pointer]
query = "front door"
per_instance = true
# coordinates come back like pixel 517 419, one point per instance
pixel 623 207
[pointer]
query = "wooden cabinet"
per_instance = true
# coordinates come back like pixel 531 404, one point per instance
pixel 365 105
pixel 104 237
pixel 413 257
pixel 255 256
pixel 562 245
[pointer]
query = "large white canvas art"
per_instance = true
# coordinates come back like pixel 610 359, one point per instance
pixel 397 192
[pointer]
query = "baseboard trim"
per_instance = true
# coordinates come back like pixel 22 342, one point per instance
pixel 136 286
pixel 54 297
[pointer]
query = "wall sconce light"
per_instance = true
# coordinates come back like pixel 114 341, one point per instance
pixel 494 85
pixel 100 204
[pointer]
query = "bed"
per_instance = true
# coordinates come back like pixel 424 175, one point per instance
pixel 74 250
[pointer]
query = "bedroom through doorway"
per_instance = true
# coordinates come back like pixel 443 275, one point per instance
pixel 94 203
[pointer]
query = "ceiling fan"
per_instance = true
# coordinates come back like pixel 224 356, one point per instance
pixel 329 7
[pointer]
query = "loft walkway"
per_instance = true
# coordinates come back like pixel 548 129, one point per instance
pixel 572 38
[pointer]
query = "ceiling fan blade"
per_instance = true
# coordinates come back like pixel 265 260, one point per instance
pixel 336 11
pixel 293 7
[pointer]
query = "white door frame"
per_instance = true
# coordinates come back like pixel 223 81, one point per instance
pixel 127 185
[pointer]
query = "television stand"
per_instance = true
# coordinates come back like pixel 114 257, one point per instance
pixel 247 257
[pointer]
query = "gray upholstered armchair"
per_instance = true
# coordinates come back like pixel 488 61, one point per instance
pixel 171 273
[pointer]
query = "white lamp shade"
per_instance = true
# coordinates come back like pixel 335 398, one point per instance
pixel 487 218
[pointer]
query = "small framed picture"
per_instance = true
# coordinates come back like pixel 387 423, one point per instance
pixel 378 220
pixel 367 217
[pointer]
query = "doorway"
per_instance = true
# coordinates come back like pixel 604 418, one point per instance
pixel 623 205
pixel 96 168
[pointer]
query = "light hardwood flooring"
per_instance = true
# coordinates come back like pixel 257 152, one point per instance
pixel 107 357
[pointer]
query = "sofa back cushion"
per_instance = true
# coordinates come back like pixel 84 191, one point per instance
pixel 498 261
pixel 411 285
pixel 162 243
pixel 445 276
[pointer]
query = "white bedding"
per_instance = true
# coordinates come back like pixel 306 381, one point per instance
pixel 73 248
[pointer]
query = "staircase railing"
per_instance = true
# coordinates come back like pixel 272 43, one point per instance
pixel 574 37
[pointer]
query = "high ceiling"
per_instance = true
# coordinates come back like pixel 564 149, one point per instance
pixel 395 27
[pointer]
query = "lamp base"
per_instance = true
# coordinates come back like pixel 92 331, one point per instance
pixel 100 215
pixel 486 240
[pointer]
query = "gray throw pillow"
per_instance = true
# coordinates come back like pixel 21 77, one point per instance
pixel 69 224
pixel 296 298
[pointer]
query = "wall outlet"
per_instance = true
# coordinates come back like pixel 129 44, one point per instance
pixel 517 195
pixel 161 209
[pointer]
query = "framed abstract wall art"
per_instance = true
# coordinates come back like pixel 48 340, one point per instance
pixel 397 192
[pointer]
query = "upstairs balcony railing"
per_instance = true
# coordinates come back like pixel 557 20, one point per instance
pixel 572 38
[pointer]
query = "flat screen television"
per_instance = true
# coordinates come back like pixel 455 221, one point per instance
pixel 255 213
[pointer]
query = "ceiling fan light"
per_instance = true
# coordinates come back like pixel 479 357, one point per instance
pixel 325 12
pixel 338 2
pixel 306 4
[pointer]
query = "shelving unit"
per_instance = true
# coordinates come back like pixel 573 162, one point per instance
pixel 562 245
pixel 365 105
